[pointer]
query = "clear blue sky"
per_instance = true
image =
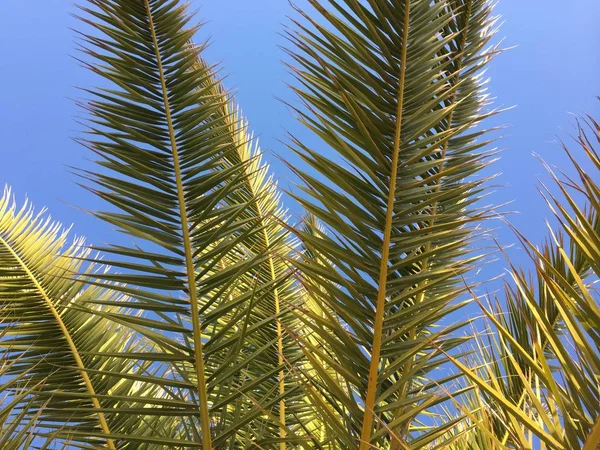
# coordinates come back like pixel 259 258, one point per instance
pixel 554 70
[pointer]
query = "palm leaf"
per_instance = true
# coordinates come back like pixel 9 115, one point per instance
pixel 393 88
pixel 260 193
pixel 59 342
pixel 18 412
pixel 206 274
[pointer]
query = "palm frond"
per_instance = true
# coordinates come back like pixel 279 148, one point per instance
pixel 18 412
pixel 59 342
pixel 394 88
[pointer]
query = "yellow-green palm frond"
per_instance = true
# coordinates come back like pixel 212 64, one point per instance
pixel 274 246
pixel 539 374
pixel 18 410
pixel 80 366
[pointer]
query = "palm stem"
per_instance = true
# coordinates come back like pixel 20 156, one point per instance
pixel 283 430
pixel 372 387
pixel 189 262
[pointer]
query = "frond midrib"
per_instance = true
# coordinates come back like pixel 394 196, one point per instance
pixel 189 261
pixel 367 424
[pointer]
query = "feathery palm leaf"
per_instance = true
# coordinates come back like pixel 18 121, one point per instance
pixel 207 275
pixel 394 87
pixel 81 366
pixel 260 193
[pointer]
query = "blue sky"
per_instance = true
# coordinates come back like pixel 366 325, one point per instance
pixel 553 71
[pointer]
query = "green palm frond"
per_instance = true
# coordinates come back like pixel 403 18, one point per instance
pixel 208 276
pixel 220 326
pixel 275 244
pixel 394 88
pixel 273 247
pixel 539 374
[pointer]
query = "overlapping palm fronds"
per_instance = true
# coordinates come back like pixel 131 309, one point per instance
pixel 220 326
pixel 275 246
pixel 394 88
pixel 18 414
pixel 538 374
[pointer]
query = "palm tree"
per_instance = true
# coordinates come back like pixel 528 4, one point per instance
pixel 224 326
